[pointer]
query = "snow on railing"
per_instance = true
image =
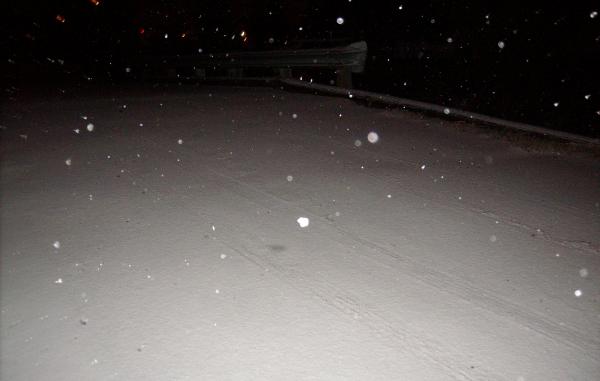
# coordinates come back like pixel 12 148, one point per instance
pixel 345 60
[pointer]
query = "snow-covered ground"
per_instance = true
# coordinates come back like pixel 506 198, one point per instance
pixel 166 243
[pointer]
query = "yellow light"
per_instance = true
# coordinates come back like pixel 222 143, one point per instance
pixel 243 33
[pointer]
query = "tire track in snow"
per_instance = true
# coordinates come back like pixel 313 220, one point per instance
pixel 401 339
pixel 443 282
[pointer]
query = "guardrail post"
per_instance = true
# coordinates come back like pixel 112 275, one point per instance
pixel 235 72
pixel 200 73
pixel 344 77
pixel 285 72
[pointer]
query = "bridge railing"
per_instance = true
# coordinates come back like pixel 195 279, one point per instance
pixel 344 60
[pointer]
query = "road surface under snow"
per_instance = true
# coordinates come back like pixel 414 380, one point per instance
pixel 166 243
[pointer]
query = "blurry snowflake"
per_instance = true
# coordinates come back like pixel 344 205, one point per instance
pixel 56 244
pixel 373 137
pixel 501 44
pixel 340 20
pixel 68 161
pixel 578 293
pixel 583 273
pixel 593 14
pixel 290 178
pixel 447 111
pixel 90 127
pixel 180 141
pixel 303 221
pixel 357 143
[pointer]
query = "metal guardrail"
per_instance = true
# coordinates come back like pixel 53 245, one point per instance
pixel 441 110
pixel 344 60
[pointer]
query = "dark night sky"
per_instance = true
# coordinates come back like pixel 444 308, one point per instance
pixel 445 52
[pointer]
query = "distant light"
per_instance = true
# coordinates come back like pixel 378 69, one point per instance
pixel 340 20
pixel 95 2
pixel 243 33
pixel 60 18
pixel 183 35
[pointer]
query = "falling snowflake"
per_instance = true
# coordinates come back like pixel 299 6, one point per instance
pixel 295 116
pixel 180 141
pixel 90 127
pixel 290 178
pixel 578 293
pixel 587 96
pixel 493 238
pixel 223 256
pixel 58 281
pixel 593 14
pixel 501 44
pixel 303 221
pixel 447 111
pixel 68 161
pixel 555 104
pixel 357 143
pixel 373 137
pixel 583 273
pixel 340 20
pixel 56 244
pixel 423 167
